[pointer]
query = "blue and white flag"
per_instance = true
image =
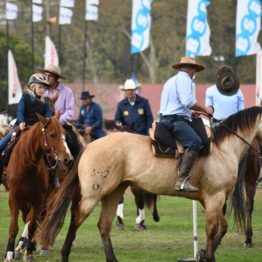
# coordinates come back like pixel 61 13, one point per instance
pixel 92 10
pixel 11 11
pixel 37 13
pixel 248 27
pixel 141 24
pixel 198 32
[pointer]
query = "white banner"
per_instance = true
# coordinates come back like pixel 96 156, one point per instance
pixel 259 79
pixel 11 11
pixel 92 10
pixel 14 86
pixel 67 3
pixel 65 15
pixel 141 24
pixel 198 32
pixel 51 56
pixel 248 27
pixel 37 1
pixel 37 13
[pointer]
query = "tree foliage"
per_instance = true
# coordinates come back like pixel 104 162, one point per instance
pixel 108 42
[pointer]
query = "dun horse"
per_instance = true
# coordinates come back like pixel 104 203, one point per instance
pixel 28 176
pixel 110 164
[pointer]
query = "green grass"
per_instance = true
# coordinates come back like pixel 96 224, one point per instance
pixel 165 241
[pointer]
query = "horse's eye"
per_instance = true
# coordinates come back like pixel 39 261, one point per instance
pixel 53 135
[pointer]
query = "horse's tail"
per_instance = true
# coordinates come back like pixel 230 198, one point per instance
pixel 58 205
pixel 238 198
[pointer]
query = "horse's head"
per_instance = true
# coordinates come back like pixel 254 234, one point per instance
pixel 53 140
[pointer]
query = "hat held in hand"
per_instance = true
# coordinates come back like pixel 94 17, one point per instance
pixel 227 83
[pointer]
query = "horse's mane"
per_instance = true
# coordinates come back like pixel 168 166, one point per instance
pixel 242 120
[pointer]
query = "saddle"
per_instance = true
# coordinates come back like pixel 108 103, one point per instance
pixel 164 144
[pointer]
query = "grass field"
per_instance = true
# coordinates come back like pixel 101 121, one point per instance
pixel 165 241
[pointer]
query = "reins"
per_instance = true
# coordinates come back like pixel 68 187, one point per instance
pixel 212 121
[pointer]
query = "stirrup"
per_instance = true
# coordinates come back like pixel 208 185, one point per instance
pixel 182 187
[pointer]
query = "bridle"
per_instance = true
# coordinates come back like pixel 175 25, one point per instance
pixel 214 121
pixel 52 163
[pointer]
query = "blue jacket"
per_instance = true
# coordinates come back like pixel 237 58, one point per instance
pixel 92 117
pixel 139 116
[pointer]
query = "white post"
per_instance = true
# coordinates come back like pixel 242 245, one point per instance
pixel 195 227
pixel 259 78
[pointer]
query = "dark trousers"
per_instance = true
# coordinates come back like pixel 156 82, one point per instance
pixel 71 140
pixel 183 131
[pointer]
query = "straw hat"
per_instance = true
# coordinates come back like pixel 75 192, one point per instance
pixel 53 69
pixel 188 61
pixel 129 84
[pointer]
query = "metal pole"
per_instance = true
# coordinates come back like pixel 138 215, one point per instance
pixel 85 57
pixel 7 47
pixel 33 36
pixel 47 17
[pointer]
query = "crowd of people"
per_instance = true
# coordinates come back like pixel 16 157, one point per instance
pixel 178 106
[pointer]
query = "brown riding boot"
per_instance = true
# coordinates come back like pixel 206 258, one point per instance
pixel 183 183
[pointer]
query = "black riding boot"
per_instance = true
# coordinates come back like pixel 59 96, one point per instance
pixel 183 183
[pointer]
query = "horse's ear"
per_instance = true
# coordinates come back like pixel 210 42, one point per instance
pixel 57 114
pixel 42 119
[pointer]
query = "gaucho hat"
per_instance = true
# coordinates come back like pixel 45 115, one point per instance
pixel 227 83
pixel 86 94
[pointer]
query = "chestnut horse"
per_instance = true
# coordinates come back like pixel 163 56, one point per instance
pixel 110 164
pixel 28 176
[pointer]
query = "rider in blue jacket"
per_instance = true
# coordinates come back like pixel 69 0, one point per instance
pixel 91 116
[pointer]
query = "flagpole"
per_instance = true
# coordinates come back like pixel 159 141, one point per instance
pixel 7 47
pixel 85 56
pixel 47 17
pixel 33 36
pixel 59 41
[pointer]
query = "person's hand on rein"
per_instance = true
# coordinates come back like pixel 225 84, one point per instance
pixel 88 129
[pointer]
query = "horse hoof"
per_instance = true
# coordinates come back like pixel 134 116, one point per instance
pixel 43 252
pixel 141 227
pixel 28 258
pixel 201 256
pixel 18 255
pixel 120 223
pixel 248 245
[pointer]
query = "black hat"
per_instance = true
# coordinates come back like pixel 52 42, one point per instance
pixel 227 83
pixel 86 94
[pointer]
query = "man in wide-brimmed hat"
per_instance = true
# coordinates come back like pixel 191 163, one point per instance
pixel 91 116
pixel 64 102
pixel 176 105
pixel 225 97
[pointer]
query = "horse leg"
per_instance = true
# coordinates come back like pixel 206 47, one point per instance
pixel 13 228
pixel 120 214
pixel 108 210
pixel 21 242
pixel 250 193
pixel 79 212
pixel 23 238
pixel 155 214
pixel 32 226
pixel 140 211
pixel 216 228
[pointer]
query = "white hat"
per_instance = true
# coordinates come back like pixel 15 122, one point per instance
pixel 129 84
